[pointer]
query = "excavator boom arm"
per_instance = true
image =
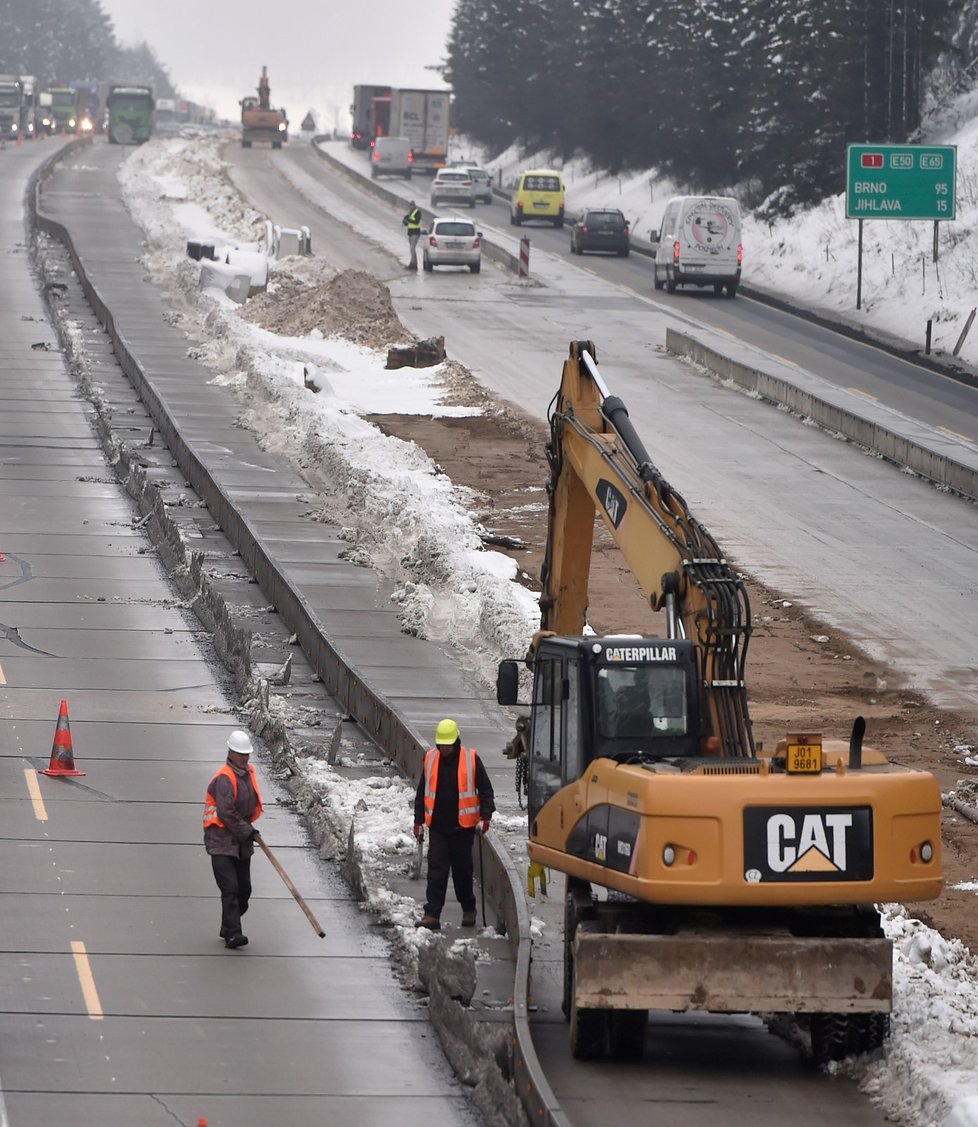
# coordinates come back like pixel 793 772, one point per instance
pixel 599 465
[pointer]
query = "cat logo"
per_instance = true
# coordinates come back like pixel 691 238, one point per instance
pixel 808 844
pixel 612 501
pixel 819 843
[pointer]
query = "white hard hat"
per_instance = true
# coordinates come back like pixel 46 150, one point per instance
pixel 240 742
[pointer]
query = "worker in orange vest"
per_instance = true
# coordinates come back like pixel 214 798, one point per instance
pixel 454 798
pixel 233 802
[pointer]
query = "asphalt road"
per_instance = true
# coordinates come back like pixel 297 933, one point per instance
pixel 119 1004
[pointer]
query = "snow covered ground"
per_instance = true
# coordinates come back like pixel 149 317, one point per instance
pixel 175 190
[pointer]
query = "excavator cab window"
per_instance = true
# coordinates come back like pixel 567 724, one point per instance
pixel 555 752
pixel 643 703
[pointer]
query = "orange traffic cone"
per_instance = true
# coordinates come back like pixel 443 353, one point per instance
pixel 62 757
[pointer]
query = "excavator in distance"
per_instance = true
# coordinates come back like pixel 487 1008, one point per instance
pixel 259 121
pixel 703 871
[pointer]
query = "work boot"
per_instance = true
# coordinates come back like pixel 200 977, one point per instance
pixel 432 923
pixel 468 919
pixel 235 941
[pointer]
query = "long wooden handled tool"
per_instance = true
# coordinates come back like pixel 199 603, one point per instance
pixel 291 887
pixel 418 857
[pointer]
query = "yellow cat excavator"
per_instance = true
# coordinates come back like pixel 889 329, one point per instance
pixel 703 871
pixel 259 121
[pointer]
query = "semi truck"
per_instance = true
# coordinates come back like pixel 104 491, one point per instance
pixel 17 106
pixel 86 105
pixel 362 132
pixel 131 114
pixel 703 870
pixel 59 109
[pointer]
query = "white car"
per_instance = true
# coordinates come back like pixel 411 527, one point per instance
pixel 452 242
pixel 453 185
pixel 483 183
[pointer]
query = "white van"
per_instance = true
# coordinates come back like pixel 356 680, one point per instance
pixel 699 244
pixel 391 156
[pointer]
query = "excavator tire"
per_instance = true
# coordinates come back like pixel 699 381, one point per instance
pixel 588 1033
pixel 830 1037
pixel 626 1034
pixel 588 1028
pixel 836 1036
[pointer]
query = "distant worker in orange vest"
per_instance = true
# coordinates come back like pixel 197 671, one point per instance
pixel 233 802
pixel 454 797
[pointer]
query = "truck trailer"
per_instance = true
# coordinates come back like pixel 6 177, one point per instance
pixel 362 131
pixel 423 117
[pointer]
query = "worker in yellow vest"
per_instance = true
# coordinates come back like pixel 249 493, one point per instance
pixel 412 220
pixel 454 798
pixel 232 803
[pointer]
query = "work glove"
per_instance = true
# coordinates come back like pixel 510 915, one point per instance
pixel 418 830
pixel 485 825
pixel 255 835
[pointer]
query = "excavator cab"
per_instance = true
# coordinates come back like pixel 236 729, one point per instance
pixel 630 699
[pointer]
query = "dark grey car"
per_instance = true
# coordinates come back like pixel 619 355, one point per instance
pixel 600 229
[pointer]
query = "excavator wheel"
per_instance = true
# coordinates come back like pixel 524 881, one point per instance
pixel 830 1037
pixel 836 1036
pixel 588 1028
pixel 626 1034
pixel 588 1033
pixel 867 1032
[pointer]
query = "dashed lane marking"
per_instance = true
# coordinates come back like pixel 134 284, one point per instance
pixel 37 799
pixel 87 980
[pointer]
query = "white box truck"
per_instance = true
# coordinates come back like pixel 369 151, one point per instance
pixel 423 117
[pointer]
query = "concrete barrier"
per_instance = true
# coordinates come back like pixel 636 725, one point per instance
pixel 901 440
pixel 254 263
pixel 231 281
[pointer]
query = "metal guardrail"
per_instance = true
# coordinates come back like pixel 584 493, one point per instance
pixel 369 708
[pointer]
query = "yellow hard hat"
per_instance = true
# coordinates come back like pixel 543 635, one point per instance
pixel 446 733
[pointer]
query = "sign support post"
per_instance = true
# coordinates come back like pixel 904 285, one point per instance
pixel 859 269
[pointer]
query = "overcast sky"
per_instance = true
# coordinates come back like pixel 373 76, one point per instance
pixel 315 52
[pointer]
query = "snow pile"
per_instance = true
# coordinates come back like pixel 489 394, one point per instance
pixel 933 1048
pixel 401 515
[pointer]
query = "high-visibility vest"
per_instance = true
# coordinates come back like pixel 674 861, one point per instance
pixel 414 219
pixel 210 803
pixel 468 797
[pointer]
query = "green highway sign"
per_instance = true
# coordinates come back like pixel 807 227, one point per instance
pixel 900 181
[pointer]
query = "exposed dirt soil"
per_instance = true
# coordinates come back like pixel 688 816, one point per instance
pixel 309 297
pixel 796 681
